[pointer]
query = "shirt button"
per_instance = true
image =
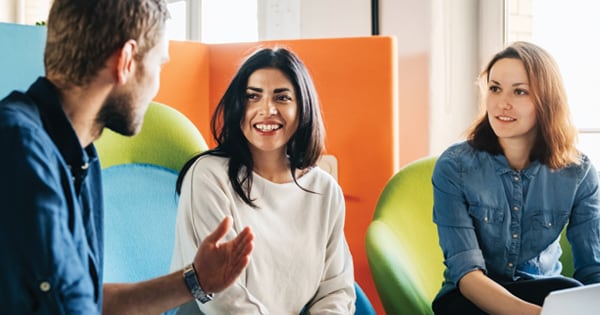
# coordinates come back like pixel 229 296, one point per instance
pixel 516 179
pixel 549 224
pixel 515 235
pixel 510 265
pixel 516 208
pixel 485 219
pixel 45 286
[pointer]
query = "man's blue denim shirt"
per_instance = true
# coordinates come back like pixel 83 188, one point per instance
pixel 508 223
pixel 51 206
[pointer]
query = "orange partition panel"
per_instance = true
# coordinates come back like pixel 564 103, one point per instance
pixel 356 82
pixel 184 83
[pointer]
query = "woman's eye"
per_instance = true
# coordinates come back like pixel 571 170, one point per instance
pixel 494 88
pixel 521 92
pixel 251 96
pixel 284 98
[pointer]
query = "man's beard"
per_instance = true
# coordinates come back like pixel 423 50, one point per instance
pixel 117 114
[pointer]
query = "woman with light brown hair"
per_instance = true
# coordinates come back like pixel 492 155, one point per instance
pixel 503 197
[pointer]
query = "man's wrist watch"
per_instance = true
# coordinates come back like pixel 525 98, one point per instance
pixel 191 280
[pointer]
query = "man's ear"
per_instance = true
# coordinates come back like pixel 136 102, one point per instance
pixel 126 61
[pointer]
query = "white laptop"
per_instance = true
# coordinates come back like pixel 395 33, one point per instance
pixel 583 300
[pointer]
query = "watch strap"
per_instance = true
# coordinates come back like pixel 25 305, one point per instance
pixel 191 280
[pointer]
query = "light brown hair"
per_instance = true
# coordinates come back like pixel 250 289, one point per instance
pixel 83 34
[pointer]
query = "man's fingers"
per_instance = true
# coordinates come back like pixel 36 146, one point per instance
pixel 239 267
pixel 220 231
pixel 245 236
pixel 243 243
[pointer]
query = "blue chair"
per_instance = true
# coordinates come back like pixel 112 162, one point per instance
pixel 139 175
pixel 363 305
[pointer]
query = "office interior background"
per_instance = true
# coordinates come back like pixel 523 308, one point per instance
pixel 441 47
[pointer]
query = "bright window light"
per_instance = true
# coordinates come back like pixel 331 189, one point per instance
pixel 176 25
pixel 574 44
pixel 228 21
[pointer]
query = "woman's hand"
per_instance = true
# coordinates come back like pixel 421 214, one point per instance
pixel 492 297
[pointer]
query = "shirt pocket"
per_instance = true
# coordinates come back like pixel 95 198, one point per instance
pixel 488 222
pixel 544 228
pixel 551 222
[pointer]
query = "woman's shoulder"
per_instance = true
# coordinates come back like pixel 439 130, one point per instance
pixel 318 179
pixel 207 159
pixel 462 157
pixel 209 164
pixel 457 150
pixel 459 153
pixel 580 169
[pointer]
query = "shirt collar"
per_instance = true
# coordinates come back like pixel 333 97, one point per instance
pixel 502 166
pixel 60 130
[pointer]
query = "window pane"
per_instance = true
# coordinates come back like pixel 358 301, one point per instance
pixel 226 21
pixel 561 27
pixel 177 24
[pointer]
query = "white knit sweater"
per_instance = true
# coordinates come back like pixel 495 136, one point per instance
pixel 300 256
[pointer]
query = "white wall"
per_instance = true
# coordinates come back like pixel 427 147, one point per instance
pixel 409 21
pixel 290 19
pixel 8 11
pixel 454 69
pixel 335 18
pixel 24 11
pixel 278 19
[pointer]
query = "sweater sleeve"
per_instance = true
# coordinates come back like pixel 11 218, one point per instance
pixel 336 293
pixel 204 202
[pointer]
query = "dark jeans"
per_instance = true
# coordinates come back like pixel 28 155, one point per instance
pixel 533 291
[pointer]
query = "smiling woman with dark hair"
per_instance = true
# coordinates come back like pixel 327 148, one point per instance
pixel 263 173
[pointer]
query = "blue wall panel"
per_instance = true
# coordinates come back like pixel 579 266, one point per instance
pixel 21 56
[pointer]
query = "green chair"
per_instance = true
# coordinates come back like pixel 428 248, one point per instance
pixel 403 247
pixel 167 139
pixel 567 256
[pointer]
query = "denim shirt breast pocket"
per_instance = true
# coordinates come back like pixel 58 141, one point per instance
pixel 488 222
pixel 547 225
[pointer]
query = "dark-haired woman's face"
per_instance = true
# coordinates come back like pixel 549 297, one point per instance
pixel 271 117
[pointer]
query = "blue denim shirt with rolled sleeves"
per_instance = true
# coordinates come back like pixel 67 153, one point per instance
pixel 507 223
pixel 51 232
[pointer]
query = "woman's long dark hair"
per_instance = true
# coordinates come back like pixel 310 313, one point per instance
pixel 304 147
